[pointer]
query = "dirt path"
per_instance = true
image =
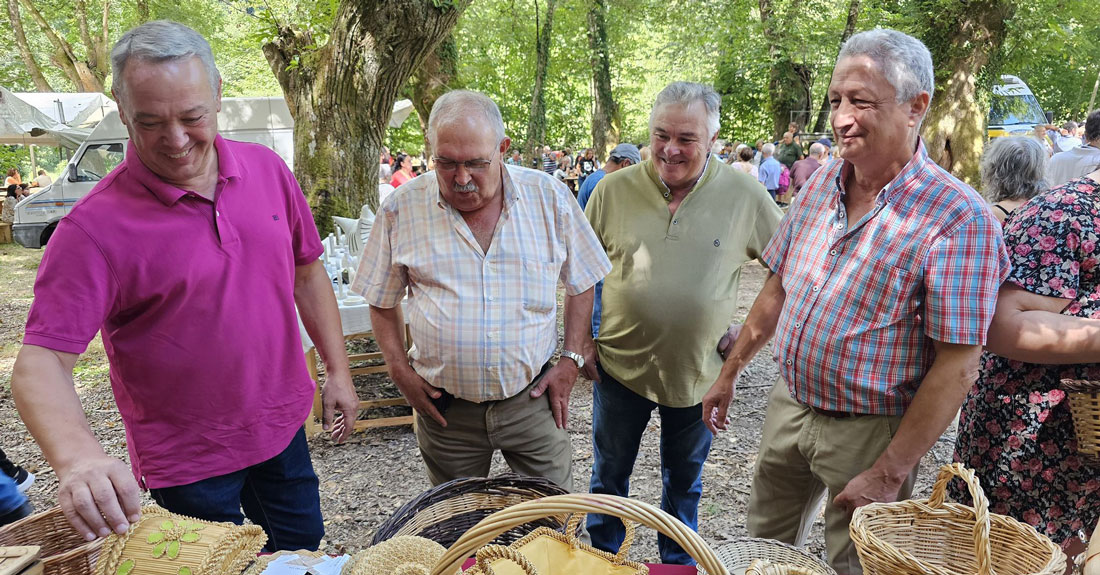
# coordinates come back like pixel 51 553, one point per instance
pixel 364 480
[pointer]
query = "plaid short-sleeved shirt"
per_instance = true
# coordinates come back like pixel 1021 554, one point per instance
pixel 864 300
pixel 482 324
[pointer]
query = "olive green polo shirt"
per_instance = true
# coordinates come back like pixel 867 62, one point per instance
pixel 672 290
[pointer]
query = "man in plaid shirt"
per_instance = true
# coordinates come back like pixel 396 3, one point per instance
pixel 884 279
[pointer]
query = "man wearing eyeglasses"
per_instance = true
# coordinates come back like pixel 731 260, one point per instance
pixel 480 246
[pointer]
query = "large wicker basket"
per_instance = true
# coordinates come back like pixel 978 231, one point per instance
pixel 64 551
pixel 446 511
pixel 918 537
pixel 738 555
pixel 630 509
pixel 1083 397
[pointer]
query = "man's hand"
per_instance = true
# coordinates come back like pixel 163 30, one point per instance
pixel 716 402
pixel 559 379
pixel 588 350
pixel 99 495
pixel 871 486
pixel 339 395
pixel 418 393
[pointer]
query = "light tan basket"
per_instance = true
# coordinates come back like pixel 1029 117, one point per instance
pixel 1083 397
pixel 64 551
pixel 624 508
pixel 164 543
pixel 918 537
pixel 740 554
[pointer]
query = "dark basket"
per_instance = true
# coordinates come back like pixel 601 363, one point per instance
pixel 444 512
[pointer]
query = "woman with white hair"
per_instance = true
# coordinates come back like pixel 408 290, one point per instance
pixel 1013 171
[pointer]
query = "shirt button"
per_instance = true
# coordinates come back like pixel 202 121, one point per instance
pixel 217 213
pixel 817 288
pixel 797 325
pixel 789 362
pixel 674 222
pixel 832 252
pixel 491 298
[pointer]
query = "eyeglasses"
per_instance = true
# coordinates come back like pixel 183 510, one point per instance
pixel 445 165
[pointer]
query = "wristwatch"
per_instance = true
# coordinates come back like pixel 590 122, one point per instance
pixel 576 357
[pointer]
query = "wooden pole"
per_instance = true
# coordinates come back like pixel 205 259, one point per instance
pixel 1092 100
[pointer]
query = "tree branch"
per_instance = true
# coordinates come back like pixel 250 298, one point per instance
pixel 85 35
pixel 40 82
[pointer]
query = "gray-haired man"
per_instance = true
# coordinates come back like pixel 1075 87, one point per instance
pixel 677 229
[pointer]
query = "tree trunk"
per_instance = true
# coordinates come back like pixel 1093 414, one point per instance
pixel 433 79
pixel 789 82
pixel 974 36
pixel 606 120
pixel 88 74
pixel 536 124
pixel 849 29
pixel 142 11
pixel 341 94
pixel 40 82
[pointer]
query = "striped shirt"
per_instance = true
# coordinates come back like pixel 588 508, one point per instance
pixel 865 300
pixel 482 324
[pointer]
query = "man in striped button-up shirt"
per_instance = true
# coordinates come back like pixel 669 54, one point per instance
pixel 885 275
pixel 480 247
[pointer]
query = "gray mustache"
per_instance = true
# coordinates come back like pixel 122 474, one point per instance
pixel 470 187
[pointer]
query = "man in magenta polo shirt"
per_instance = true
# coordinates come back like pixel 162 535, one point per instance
pixel 189 258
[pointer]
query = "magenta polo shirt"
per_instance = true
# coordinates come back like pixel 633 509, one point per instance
pixel 195 301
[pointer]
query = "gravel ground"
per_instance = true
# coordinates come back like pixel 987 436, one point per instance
pixel 367 478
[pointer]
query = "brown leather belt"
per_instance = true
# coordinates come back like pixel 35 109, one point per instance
pixel 831 413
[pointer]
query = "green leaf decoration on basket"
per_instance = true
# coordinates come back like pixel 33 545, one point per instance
pixel 126 567
pixel 168 540
pixel 184 571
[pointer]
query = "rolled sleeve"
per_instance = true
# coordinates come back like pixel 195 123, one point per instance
pixel 380 280
pixel 74 293
pixel 586 261
pixel 962 274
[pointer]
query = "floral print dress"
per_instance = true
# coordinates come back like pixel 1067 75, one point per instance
pixel 1016 431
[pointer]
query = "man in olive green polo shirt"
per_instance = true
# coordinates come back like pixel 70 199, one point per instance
pixel 677 229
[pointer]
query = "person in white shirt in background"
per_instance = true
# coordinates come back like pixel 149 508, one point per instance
pixel 1076 162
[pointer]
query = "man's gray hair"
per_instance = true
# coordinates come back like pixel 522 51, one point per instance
pixel 816 149
pixel 904 60
pixel 458 104
pixel 1070 125
pixel 161 41
pixel 767 149
pixel 686 93
pixel 1014 169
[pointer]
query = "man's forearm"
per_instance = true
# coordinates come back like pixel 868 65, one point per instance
pixel 758 329
pixel 578 320
pixel 388 327
pixel 42 386
pixel 938 399
pixel 320 315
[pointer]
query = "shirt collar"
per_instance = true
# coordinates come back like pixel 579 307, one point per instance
pixel 228 168
pixel 895 187
pixel 655 175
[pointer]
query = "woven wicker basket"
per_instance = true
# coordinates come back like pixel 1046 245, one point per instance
pixel 164 543
pixel 917 537
pixel 64 551
pixel 446 511
pixel 484 532
pixel 1084 404
pixel 738 555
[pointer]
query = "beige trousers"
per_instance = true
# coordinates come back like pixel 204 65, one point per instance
pixel 805 458
pixel 521 427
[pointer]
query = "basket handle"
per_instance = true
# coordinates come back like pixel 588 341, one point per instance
pixel 493 552
pixel 644 513
pixel 628 540
pixel 981 510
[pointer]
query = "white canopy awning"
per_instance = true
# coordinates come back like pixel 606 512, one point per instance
pixel 22 123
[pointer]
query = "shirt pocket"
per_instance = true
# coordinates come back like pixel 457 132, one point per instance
pixel 540 285
pixel 895 291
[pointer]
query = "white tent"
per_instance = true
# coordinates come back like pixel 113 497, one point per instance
pixel 22 123
pixel 80 110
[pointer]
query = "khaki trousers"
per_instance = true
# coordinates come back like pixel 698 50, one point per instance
pixel 806 457
pixel 521 427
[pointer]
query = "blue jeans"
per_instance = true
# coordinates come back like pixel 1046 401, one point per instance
pixel 597 308
pixel 280 495
pixel 619 416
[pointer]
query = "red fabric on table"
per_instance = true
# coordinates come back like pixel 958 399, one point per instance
pixel 653 569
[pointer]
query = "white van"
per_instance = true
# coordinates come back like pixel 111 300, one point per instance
pixel 264 121
pixel 1014 110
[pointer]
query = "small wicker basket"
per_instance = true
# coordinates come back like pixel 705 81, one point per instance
pixel 164 543
pixel 64 551
pixel 738 556
pixel 446 511
pixel 1083 397
pixel 934 537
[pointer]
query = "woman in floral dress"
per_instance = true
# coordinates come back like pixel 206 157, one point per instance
pixel 1016 430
